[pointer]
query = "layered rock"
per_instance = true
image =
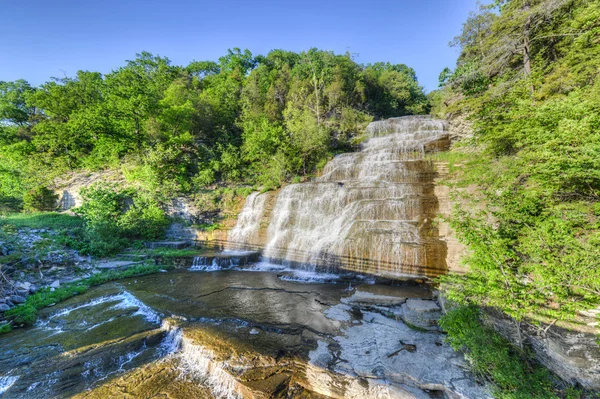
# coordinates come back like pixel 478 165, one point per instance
pixel 371 211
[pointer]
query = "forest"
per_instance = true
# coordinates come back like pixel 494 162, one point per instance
pixel 253 119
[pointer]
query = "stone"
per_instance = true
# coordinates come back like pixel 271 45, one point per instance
pixel 421 313
pixel 55 284
pixel 33 289
pixel 394 361
pixel 4 307
pixel 25 285
pixel 570 350
pixel 366 298
pixel 116 264
pixel 169 244
pixel 18 299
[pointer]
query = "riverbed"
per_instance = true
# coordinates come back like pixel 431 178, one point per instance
pixel 257 331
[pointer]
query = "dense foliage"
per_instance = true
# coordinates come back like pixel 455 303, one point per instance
pixel 257 119
pixel 528 82
pixel 528 78
pixel 114 217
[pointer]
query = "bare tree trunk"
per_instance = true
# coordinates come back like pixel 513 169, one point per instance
pixel 527 47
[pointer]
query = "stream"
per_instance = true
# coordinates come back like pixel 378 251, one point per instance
pixel 254 331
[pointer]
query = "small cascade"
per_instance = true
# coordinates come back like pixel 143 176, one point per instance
pixel 201 363
pixel 227 259
pixel 6 382
pixel 247 228
pixel 370 211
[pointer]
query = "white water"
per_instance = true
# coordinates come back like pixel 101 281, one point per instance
pixel 202 364
pixel 6 382
pixel 247 227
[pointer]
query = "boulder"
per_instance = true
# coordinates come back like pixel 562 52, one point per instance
pixel 23 285
pixel 55 284
pixel 4 307
pixel 421 313
pixel 18 299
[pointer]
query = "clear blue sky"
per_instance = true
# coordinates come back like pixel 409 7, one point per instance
pixel 41 38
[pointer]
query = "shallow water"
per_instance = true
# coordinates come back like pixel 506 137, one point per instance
pixel 246 333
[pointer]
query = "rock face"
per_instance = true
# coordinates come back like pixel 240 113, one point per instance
pixel 570 350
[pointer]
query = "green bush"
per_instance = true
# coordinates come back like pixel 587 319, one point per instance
pixel 114 217
pixel 40 199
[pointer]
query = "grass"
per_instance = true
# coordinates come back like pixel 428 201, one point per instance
pixel 26 313
pixel 5 328
pixel 42 220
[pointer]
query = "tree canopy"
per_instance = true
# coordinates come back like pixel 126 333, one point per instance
pixel 256 119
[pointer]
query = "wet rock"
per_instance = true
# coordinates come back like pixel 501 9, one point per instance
pixel 18 299
pixel 169 244
pixel 421 313
pixel 55 284
pixel 366 298
pixel 116 264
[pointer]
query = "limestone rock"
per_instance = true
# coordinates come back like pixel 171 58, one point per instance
pixel 55 284
pixel 18 299
pixel 116 264
pixel 421 313
pixel 361 297
pixel 169 244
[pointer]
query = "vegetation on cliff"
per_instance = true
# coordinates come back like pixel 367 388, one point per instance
pixel 528 81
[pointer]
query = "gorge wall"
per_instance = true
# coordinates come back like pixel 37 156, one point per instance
pixel 371 211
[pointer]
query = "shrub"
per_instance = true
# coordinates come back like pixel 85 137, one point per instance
pixel 40 199
pixel 113 217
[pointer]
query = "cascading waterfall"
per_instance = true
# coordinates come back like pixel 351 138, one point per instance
pixel 201 363
pixel 246 230
pixel 371 211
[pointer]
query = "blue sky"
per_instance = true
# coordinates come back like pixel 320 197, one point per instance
pixel 39 39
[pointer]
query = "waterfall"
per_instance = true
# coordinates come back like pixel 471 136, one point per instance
pixel 370 211
pixel 246 230
pixel 202 364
